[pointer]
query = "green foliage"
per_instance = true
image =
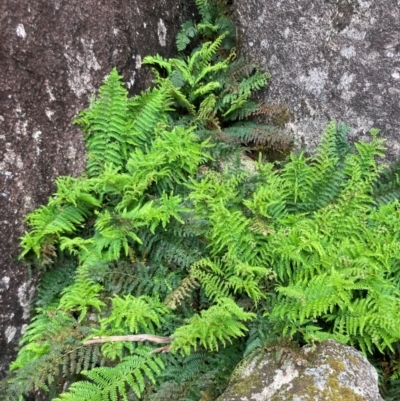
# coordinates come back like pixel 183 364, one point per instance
pixel 220 323
pixel 159 240
pixel 82 295
pixel 105 125
pixel 212 86
pixel 110 383
pixel 387 188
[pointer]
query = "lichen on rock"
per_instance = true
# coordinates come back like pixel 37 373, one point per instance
pixel 327 372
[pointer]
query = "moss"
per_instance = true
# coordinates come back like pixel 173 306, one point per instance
pixel 336 364
pixel 244 387
pixel 305 389
pixel 354 359
pixel 336 392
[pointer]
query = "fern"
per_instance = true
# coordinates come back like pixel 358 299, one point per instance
pixel 220 323
pixel 164 239
pixel 52 347
pixel 112 225
pixel 187 33
pixel 105 125
pixel 111 383
pixel 386 189
pixel 132 315
pixel 196 81
pixel 148 110
pixel 82 295
pixel 49 223
pixel 191 377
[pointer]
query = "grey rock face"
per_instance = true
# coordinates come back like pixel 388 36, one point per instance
pixel 328 59
pixel 330 372
pixel 53 55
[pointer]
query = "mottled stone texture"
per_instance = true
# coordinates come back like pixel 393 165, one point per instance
pixel 330 372
pixel 53 55
pixel 328 59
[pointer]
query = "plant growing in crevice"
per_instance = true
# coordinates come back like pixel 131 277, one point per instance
pixel 155 244
pixel 124 231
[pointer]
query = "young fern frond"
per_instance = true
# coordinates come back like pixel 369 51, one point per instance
pixel 146 112
pixel 133 315
pixel 228 277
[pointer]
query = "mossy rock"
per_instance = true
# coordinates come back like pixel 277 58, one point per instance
pixel 327 372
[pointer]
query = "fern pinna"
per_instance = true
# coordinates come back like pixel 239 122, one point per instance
pixel 159 243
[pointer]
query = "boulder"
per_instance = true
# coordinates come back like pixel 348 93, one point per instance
pixel 327 372
pixel 331 59
pixel 53 56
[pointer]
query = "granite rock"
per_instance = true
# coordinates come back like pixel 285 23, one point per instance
pixel 328 372
pixel 329 59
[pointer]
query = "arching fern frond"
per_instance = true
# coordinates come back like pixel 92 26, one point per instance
pixel 48 223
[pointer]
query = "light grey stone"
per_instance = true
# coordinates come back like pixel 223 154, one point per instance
pixel 327 372
pixel 332 59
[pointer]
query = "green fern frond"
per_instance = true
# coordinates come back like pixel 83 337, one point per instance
pixel 387 188
pixel 133 314
pixel 74 191
pixel 174 155
pixel 185 288
pixel 53 282
pixel 113 383
pixel 82 295
pixel 50 222
pixel 105 125
pixel 202 59
pixel 220 323
pixel 185 35
pixel 46 325
pixel 203 90
pixel 159 61
pixel 147 111
pixel 178 95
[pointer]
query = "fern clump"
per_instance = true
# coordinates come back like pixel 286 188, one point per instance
pixel 162 267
